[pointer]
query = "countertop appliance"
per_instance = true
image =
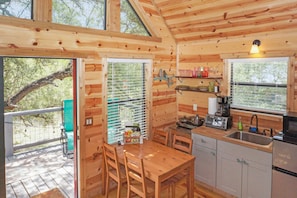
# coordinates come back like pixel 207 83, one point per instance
pixel 190 122
pixel 224 106
pixel 218 122
pixel 284 166
pixel 290 124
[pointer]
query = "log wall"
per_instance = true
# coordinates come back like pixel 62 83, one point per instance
pixel 212 53
pixel 40 38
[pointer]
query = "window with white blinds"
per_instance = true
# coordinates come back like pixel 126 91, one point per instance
pixel 259 84
pixel 126 93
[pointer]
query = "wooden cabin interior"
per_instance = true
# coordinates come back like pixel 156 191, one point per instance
pixel 184 35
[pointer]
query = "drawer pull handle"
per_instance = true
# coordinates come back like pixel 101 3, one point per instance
pixel 203 141
pixel 244 162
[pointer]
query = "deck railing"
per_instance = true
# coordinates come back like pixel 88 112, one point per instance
pixel 22 133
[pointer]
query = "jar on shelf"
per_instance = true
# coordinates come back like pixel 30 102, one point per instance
pixel 198 72
pixel 211 87
pixel 205 72
pixel 194 72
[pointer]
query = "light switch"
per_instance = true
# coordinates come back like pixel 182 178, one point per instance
pixel 89 121
pixel 195 107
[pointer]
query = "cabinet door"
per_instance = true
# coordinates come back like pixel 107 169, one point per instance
pixel 256 179
pixel 205 165
pixel 229 168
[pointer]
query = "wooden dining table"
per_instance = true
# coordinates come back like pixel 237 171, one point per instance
pixel 161 162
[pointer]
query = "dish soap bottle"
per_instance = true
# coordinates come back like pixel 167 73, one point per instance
pixel 240 127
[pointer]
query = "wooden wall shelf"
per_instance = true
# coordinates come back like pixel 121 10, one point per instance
pixel 198 78
pixel 207 92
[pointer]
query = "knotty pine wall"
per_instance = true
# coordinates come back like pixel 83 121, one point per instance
pixel 40 38
pixel 212 53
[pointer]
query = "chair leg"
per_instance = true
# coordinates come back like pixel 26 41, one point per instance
pixel 173 190
pixel 107 187
pixel 119 190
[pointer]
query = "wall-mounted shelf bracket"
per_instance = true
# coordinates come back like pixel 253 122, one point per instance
pixel 164 76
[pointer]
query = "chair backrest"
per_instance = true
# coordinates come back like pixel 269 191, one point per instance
pixel 68 115
pixel 182 143
pixel 160 137
pixel 135 174
pixel 111 162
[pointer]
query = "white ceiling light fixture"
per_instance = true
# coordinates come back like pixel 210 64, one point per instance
pixel 255 47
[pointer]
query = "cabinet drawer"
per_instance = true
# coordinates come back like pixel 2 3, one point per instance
pixel 204 141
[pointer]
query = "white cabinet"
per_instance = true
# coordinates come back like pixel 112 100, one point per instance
pixel 243 172
pixel 204 149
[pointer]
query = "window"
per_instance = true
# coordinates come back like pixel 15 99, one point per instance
pixel 259 84
pixel 16 8
pixel 130 21
pixel 126 96
pixel 82 13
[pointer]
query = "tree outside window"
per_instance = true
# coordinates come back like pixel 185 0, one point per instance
pixel 16 8
pixel 259 84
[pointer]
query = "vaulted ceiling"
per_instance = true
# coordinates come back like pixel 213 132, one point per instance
pixel 194 20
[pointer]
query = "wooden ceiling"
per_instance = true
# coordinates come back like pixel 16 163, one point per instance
pixel 194 20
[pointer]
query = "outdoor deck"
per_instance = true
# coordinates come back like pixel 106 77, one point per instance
pixel 35 172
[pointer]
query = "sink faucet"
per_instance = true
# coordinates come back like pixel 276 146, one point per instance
pixel 252 128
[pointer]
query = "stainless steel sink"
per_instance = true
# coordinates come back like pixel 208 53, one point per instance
pixel 250 137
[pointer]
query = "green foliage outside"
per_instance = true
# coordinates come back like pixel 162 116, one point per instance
pixel 16 8
pixel 82 13
pixel 260 84
pixel 130 22
pixel 19 72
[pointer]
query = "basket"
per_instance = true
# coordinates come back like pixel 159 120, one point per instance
pixel 131 136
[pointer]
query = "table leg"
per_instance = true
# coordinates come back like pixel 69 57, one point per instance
pixel 157 189
pixel 191 182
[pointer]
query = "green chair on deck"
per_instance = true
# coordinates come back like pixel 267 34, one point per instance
pixel 67 129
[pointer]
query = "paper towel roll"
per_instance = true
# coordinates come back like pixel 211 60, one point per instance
pixel 212 106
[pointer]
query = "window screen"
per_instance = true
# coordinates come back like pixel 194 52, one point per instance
pixel 126 97
pixel 259 84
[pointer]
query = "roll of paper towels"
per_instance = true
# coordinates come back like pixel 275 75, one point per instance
pixel 212 106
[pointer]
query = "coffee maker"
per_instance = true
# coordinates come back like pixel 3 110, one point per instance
pixel 223 106
pixel 222 119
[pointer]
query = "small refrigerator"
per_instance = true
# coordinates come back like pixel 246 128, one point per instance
pixel 284 169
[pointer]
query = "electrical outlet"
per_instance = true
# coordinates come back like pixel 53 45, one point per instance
pixel 195 107
pixel 89 121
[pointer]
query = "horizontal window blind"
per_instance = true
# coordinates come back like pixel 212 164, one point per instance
pixel 126 97
pixel 259 84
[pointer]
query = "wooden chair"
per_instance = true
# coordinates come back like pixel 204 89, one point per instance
pixel 161 137
pixel 113 170
pixel 138 184
pixel 182 143
pixel 185 145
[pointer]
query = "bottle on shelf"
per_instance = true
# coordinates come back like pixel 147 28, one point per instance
pixel 240 127
pixel 216 87
pixel 205 72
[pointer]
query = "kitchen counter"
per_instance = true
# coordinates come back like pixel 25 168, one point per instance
pixel 221 135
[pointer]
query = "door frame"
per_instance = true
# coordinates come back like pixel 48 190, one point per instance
pixel 75 123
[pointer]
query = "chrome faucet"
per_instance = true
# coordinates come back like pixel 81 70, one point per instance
pixel 254 129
